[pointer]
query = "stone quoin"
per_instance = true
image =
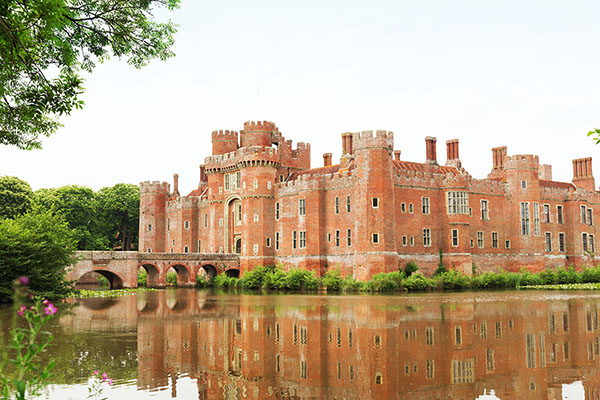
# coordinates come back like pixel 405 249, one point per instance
pixel 371 212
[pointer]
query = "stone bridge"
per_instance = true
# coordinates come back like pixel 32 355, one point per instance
pixel 120 268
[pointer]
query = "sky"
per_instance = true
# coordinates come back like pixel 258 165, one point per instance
pixel 522 74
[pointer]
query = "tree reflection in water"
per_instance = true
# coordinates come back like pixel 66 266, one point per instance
pixel 434 346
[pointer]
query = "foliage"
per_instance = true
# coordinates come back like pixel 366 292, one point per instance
pixel 595 132
pixel 16 197
pixel 301 279
pixel 118 210
pixel 565 286
pixel 410 268
pixel 254 279
pixel 332 280
pixel 27 341
pixel 38 244
pixel 454 280
pixel 386 282
pixel 171 278
pixel 142 277
pixel 417 282
pixel 45 45
pixel 82 294
pixel 96 387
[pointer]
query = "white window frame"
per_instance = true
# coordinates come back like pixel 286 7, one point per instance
pixel 454 238
pixel 425 205
pixel 485 210
pixel 426 237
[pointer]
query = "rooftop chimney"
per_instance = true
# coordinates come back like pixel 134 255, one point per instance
pixel 202 175
pixel 176 184
pixel 347 143
pixel 430 147
pixel 582 174
pixel 498 154
pixel 545 172
pixel 397 155
pixel 452 158
pixel 327 159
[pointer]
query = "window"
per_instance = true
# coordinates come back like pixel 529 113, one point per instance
pixel 337 238
pixel 458 203
pixel 268 244
pixel 472 243
pixel 480 240
pixel 583 214
pixel 347 203
pixel 561 242
pixel 523 184
pixel 255 184
pixel 168 224
pixel 427 237
pixel 591 243
pixel 403 207
pixel 351 373
pixel 220 221
pixel 206 220
pixel 303 373
pixel 337 205
pixel 483 330
pixel 302 207
pixel 277 211
pixel 458 335
pixel 412 241
pixel 559 214
pixel 255 249
pixel 548 242
pixel 590 216
pixel 507 244
pixel 280 178
pixel 498 329
pixel 489 360
pixel 546 213
pixel 226 184
pixel 584 241
pixel 377 341
pixel 294 239
pixel 525 229
pixel 530 350
pixel 485 212
pixel 150 228
pixel 376 238
pixel 349 237
pixel 494 240
pixel 255 217
pixel 186 249
pixel 425 204
pixel 238 180
pixel 429 336
pixel 410 208
pixel 404 241
pixel 268 184
pixel 186 224
pixel 429 369
pixel 375 202
pixel 378 378
pixel 238 213
pixel 536 219
pixel 302 239
pixel 199 246
pixel 220 189
pixel 149 251
pixel 454 237
pixel 276 240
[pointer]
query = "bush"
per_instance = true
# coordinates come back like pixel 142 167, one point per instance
pixel 548 277
pixel 142 277
pixel 275 279
pixel 386 282
pixel 171 278
pixel 224 281
pixel 254 279
pixel 301 279
pixel 590 275
pixel 454 280
pixel 417 282
pixel 332 280
pixel 350 285
pixel 410 268
pixel 568 275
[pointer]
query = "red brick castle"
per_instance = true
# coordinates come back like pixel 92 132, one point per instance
pixel 372 212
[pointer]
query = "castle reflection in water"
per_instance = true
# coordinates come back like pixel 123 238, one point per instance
pixel 437 346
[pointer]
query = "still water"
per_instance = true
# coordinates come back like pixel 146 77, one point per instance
pixel 198 344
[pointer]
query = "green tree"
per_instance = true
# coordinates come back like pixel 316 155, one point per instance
pixel 45 44
pixel 596 133
pixel 15 196
pixel 79 206
pixel 39 245
pixel 119 212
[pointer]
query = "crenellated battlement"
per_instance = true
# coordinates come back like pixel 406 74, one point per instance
pixel 155 187
pixel 368 139
pixel 522 161
pixel 243 155
pixel 265 126
pixel 225 135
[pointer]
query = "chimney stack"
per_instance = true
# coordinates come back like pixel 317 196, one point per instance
pixel 202 175
pixel 545 172
pixel 582 174
pixel 176 184
pixel 327 159
pixel 430 147
pixel 498 154
pixel 347 143
pixel 397 154
pixel 452 158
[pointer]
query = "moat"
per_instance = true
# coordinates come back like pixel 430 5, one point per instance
pixel 200 344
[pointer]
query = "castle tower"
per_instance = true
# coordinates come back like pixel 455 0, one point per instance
pixel 153 199
pixel 224 142
pixel 375 249
pixel 524 210
pixel 259 133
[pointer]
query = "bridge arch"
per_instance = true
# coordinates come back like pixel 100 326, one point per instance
pixel 210 271
pixel 115 281
pixel 183 274
pixel 233 273
pixel 152 273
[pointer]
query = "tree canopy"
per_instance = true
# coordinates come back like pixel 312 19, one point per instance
pixel 16 197
pixel 45 44
pixel 119 209
pixel 596 133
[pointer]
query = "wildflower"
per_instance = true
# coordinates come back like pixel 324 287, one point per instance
pixel 21 311
pixel 95 372
pixel 23 280
pixel 32 308
pixel 45 302
pixel 50 309
pixel 110 381
pixel 104 376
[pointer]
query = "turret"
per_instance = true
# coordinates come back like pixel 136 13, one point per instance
pixel 224 142
pixel 259 133
pixel 153 199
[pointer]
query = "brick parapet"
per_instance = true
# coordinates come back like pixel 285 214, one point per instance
pixel 242 157
pixel 370 139
pixel 154 187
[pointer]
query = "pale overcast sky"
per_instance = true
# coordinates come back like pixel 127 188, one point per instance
pixel 524 74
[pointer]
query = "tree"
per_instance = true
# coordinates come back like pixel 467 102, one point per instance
pixel 44 45
pixel 595 132
pixel 38 245
pixel 79 206
pixel 119 210
pixel 15 196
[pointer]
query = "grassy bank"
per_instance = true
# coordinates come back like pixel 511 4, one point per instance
pixel 273 278
pixel 107 293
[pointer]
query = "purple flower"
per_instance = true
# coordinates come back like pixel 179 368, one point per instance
pixel 104 376
pixel 21 311
pixel 110 381
pixel 23 280
pixel 95 372
pixel 50 309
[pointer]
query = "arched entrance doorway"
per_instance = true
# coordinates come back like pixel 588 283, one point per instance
pixel 233 225
pixel 238 246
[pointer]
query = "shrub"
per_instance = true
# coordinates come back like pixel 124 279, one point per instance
pixel 454 280
pixel 568 275
pixel 275 279
pixel 410 268
pixel 350 285
pixel 332 280
pixel 548 277
pixel 254 279
pixel 142 277
pixel 417 282
pixel 224 281
pixel 590 275
pixel 301 279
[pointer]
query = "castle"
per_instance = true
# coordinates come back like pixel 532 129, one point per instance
pixel 372 212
